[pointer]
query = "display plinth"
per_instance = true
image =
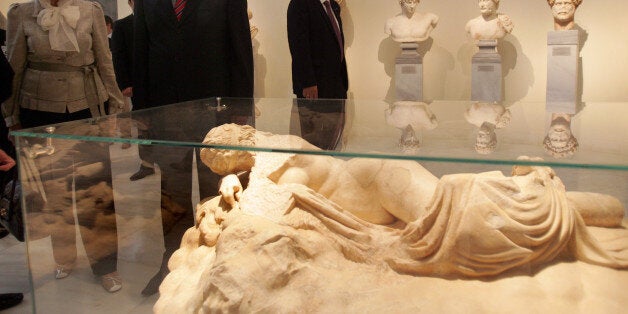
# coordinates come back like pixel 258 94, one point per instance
pixel 563 58
pixel 409 73
pixel 486 73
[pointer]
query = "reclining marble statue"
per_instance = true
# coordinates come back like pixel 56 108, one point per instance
pixel 393 214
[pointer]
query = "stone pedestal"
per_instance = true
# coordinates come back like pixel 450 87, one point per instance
pixel 563 58
pixel 409 73
pixel 486 73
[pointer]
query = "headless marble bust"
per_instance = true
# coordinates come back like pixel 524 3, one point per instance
pixel 490 24
pixel 410 25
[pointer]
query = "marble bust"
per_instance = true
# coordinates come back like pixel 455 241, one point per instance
pixel 487 117
pixel 560 141
pixel 410 25
pixel 410 117
pixel 490 24
pixel 564 12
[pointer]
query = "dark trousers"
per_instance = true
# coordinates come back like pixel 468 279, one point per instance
pixel 87 166
pixel 321 121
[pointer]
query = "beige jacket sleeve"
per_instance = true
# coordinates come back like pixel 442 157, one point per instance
pixel 16 53
pixel 102 56
pixel 3 21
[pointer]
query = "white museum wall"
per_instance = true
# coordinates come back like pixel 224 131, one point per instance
pixel 371 54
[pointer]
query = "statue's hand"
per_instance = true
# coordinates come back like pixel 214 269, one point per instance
pixel 231 189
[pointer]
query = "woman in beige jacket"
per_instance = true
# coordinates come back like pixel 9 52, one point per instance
pixel 63 72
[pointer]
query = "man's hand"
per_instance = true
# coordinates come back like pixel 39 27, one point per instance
pixel 128 92
pixel 231 189
pixel 311 92
pixel 6 162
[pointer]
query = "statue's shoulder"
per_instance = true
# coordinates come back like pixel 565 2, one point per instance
pixel 505 22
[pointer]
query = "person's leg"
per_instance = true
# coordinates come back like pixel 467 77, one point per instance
pixel 322 122
pixel 96 211
pixel 9 300
pixel 147 162
pixel 176 205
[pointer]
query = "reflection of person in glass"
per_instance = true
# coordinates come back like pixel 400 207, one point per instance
pixel 60 53
pixel 410 25
pixel 560 141
pixel 490 24
pixel 564 12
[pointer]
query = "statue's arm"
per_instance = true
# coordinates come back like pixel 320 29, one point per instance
pixel 435 19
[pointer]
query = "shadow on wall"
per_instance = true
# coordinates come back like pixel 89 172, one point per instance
pixel 348 27
pixel 516 69
pixel 438 62
pixel 261 68
pixel 388 51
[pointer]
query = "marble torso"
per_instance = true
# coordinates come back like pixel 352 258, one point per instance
pixel 414 29
pixel 481 29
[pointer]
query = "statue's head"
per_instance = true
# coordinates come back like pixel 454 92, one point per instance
pixel 559 141
pixel 486 139
pixel 409 5
pixel 564 10
pixel 225 161
pixel 488 7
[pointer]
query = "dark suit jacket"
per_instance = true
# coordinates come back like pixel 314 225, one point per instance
pixel 122 51
pixel 6 83
pixel 206 54
pixel 316 57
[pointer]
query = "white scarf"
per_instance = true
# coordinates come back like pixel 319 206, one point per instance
pixel 60 23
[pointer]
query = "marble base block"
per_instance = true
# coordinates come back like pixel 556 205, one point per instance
pixel 409 73
pixel 486 73
pixel 563 57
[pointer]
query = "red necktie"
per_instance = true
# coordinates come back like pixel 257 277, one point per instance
pixel 179 5
pixel 332 19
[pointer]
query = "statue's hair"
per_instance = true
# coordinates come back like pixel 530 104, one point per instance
pixel 224 161
pixel 575 2
pixel 561 152
pixel 401 2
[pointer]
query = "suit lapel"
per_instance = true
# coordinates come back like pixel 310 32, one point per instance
pixel 324 16
pixel 190 8
pixel 166 8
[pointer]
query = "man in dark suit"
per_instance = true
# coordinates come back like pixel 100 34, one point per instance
pixel 319 69
pixel 186 50
pixel 122 53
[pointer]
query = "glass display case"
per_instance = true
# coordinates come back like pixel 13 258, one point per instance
pixel 86 219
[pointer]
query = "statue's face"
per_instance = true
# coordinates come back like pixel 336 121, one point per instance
pixel 410 5
pixel 559 135
pixel 564 10
pixel 487 7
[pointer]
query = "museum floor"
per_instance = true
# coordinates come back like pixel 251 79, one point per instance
pixel 140 250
